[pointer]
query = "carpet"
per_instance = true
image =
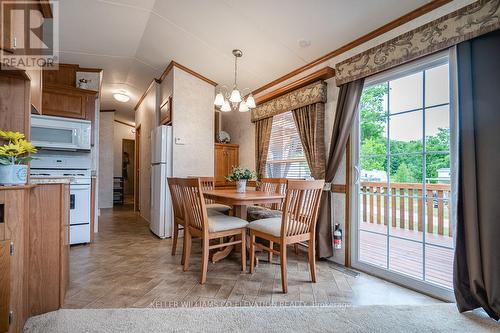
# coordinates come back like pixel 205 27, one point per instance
pixel 375 318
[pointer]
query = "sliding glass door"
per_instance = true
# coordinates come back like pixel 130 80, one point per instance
pixel 403 210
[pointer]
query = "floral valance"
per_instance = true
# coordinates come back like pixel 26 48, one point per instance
pixel 466 23
pixel 313 93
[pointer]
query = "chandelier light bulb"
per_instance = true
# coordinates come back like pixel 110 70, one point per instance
pixel 225 106
pixel 219 100
pixel 235 96
pixel 251 102
pixel 243 107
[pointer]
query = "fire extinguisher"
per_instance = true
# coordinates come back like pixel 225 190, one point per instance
pixel 337 237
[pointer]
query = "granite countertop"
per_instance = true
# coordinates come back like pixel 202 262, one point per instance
pixel 50 180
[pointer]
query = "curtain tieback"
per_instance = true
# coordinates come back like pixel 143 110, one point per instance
pixel 327 187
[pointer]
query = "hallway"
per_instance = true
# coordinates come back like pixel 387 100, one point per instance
pixel 127 266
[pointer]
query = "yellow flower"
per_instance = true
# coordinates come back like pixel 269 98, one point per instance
pixel 12 150
pixel 28 147
pixel 12 136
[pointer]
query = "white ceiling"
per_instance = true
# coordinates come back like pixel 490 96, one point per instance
pixel 134 40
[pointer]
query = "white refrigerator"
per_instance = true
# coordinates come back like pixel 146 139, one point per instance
pixel 161 168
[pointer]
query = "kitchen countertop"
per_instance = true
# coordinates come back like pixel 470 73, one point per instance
pixel 50 180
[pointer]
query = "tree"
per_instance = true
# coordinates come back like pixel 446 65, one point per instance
pixel 372 111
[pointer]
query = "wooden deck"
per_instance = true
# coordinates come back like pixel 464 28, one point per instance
pixel 406 255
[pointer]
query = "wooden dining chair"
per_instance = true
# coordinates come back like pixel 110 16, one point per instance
pixel 208 184
pixel 214 226
pixel 297 224
pixel 178 208
pixel 264 211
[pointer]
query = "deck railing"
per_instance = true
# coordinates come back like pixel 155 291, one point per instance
pixel 406 205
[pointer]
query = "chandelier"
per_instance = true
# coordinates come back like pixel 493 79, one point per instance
pixel 233 101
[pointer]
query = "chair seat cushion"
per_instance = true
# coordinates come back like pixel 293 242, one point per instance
pixel 258 213
pixel 271 226
pixel 218 207
pixel 219 222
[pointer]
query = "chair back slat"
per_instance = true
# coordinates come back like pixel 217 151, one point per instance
pixel 273 185
pixel 176 195
pixel 301 206
pixel 194 203
pixel 207 184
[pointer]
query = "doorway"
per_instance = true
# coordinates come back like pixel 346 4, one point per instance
pixel 402 201
pixel 128 172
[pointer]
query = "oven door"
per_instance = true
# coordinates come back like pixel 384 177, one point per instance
pixel 79 204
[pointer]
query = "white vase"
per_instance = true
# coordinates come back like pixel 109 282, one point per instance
pixel 13 174
pixel 241 185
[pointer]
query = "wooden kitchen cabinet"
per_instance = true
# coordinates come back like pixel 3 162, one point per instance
pixel 48 247
pixel 66 101
pixel 36 84
pixel 226 157
pixel 13 237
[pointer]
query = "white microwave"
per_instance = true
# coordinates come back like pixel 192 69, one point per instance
pixel 59 133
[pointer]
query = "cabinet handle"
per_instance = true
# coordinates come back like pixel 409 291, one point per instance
pixel 14 43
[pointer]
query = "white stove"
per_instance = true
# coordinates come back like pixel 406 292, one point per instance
pixel 77 166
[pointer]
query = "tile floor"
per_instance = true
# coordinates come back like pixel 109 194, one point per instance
pixel 127 266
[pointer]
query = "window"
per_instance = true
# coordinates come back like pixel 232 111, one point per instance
pixel 286 158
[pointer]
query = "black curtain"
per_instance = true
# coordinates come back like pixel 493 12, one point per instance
pixel 477 254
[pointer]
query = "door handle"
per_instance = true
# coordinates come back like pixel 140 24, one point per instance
pixel 356 175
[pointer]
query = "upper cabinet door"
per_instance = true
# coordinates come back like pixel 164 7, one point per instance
pixel 68 102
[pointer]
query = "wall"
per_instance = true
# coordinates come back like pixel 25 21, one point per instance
pixel 242 131
pixel 146 117
pixel 193 124
pixel 105 176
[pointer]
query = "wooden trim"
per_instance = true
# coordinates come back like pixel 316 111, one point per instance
pixel 322 74
pixel 173 64
pixel 46 9
pixel 339 188
pixel 146 92
pixel 124 123
pixel 111 110
pixel 90 70
pixel 361 40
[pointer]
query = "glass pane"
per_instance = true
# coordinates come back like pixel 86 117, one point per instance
pixel 374 169
pixel 406 169
pixel 439 265
pixel 438 169
pixel 374 209
pixel 437 89
pixel 437 129
pixel 406 93
pixel 374 136
pixel 406 257
pixel 373 248
pixel 406 215
pixel 406 132
pixel 53 135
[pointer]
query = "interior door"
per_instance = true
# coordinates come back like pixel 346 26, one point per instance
pixel 137 184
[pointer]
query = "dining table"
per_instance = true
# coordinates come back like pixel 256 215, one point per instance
pixel 240 202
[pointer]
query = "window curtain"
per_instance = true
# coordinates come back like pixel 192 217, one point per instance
pixel 262 135
pixel 477 260
pixel 310 122
pixel 347 109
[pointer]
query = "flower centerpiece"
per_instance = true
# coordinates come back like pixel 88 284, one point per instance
pixel 240 175
pixel 14 155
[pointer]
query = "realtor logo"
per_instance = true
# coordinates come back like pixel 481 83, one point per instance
pixel 29 33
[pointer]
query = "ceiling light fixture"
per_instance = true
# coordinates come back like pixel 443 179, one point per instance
pixel 233 101
pixel 121 96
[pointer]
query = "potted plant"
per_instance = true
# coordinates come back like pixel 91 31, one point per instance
pixel 14 155
pixel 240 175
